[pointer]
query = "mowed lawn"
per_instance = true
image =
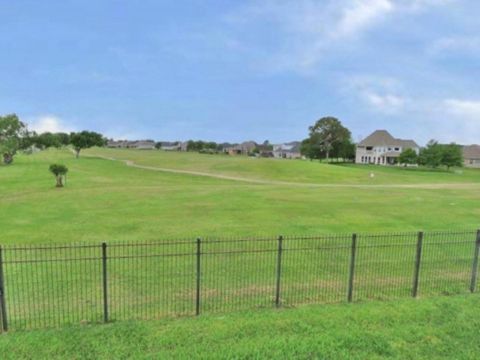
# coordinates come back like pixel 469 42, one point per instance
pixel 442 328
pixel 106 200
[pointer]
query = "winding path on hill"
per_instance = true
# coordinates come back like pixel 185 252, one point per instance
pixel 447 186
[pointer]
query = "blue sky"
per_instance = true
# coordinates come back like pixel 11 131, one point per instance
pixel 238 70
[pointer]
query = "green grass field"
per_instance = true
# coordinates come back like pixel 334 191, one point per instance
pixel 108 201
pixel 442 328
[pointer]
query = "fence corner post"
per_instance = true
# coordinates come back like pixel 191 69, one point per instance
pixel 279 271
pixel 473 281
pixel 418 259
pixel 105 282
pixel 351 274
pixel 198 275
pixel 3 305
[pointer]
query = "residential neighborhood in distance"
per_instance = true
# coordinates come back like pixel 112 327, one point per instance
pixel 379 148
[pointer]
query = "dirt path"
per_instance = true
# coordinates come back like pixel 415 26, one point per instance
pixel 464 186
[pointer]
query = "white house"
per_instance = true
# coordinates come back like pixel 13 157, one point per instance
pixel 287 151
pixel 381 148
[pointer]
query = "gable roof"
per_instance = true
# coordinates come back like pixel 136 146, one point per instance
pixel 384 138
pixel 471 152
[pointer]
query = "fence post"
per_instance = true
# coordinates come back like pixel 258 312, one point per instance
pixel 279 271
pixel 3 305
pixel 473 282
pixel 351 275
pixel 105 282
pixel 418 259
pixel 197 297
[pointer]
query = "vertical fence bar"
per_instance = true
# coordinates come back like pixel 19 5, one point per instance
pixel 105 282
pixel 473 281
pixel 351 275
pixel 418 259
pixel 3 305
pixel 197 297
pixel 279 271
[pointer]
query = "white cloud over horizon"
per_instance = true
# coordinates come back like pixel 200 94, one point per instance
pixel 49 123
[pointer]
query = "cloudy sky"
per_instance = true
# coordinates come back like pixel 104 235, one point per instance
pixel 236 70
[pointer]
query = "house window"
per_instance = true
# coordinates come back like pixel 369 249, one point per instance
pixel 397 149
pixel 369 148
pixel 389 149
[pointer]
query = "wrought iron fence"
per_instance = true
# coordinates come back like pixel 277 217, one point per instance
pixel 44 286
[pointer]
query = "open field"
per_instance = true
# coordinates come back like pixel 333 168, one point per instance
pixel 442 328
pixel 109 201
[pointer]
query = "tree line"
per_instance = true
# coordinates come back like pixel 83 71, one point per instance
pixel 434 155
pixel 15 136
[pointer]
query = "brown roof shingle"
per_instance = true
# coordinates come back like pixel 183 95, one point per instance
pixel 383 138
pixel 471 152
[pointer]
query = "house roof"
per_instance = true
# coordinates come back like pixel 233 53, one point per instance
pixel 384 138
pixel 471 152
pixel 293 147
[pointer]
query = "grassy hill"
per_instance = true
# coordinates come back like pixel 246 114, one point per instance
pixel 288 170
pixel 108 201
pixel 444 328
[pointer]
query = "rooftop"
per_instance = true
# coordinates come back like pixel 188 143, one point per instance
pixel 384 138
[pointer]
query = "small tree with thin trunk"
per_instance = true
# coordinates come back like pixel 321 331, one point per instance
pixel 60 171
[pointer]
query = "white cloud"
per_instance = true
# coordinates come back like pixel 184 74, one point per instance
pixel 311 28
pixel 469 44
pixel 467 109
pixel 49 123
pixel 449 120
pixel 381 94
pixel 387 103
pixel 359 15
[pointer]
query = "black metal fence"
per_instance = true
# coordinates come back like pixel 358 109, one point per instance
pixel 43 286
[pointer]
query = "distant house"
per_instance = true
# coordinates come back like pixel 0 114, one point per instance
pixel 381 148
pixel 144 145
pixel 265 150
pixel 184 146
pixel 289 150
pixel 471 156
pixel 126 144
pixel 244 148
pixel 171 146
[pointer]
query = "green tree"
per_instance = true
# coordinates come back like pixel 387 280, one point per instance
pixel 452 155
pixel 310 147
pixel 85 140
pixel 47 140
pixel 158 145
pixel 13 133
pixel 431 155
pixel 60 171
pixel 63 138
pixel 408 157
pixel 327 135
pixel 344 150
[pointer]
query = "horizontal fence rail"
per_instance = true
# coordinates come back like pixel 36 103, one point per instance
pixel 54 285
